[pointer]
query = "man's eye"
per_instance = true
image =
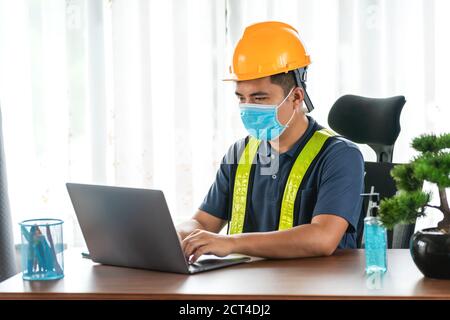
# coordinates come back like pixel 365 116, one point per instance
pixel 260 98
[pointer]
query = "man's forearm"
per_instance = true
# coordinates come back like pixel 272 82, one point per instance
pixel 302 241
pixel 187 227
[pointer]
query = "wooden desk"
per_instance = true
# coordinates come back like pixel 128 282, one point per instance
pixel 340 276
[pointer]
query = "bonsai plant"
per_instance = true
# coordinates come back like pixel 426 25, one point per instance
pixel 430 248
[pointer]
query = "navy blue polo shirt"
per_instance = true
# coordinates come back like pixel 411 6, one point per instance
pixel 332 186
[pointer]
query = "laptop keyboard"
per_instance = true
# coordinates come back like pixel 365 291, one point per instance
pixel 207 264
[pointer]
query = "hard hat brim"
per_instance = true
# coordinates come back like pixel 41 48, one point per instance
pixel 258 75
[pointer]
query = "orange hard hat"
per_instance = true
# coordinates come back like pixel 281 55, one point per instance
pixel 267 48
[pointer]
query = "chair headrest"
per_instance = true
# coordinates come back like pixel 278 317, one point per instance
pixel 367 120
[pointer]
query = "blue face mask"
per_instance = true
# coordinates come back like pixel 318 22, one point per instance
pixel 261 120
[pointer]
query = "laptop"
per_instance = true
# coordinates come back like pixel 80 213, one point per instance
pixel 133 228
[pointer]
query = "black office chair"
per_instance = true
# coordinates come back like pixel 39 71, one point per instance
pixel 375 122
pixel 7 255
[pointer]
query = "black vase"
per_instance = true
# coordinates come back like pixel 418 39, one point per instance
pixel 430 250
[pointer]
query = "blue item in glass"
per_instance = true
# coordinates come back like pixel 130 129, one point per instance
pixel 375 239
pixel 41 258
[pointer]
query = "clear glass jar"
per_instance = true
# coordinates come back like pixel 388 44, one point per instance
pixel 42 249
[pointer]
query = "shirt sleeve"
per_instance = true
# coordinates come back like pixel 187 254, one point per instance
pixel 341 185
pixel 217 199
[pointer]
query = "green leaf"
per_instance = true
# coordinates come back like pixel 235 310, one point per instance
pixel 431 143
pixel 405 178
pixel 403 208
pixel 433 168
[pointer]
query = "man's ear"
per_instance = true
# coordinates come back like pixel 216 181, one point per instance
pixel 299 95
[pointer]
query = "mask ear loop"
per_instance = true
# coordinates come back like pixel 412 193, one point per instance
pixel 276 111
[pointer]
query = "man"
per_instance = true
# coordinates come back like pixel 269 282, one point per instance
pixel 291 188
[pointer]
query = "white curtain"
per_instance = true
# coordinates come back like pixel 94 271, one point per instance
pixel 129 93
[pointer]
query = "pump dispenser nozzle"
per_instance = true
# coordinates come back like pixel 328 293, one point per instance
pixel 374 201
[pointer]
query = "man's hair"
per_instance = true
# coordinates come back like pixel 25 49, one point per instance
pixel 284 80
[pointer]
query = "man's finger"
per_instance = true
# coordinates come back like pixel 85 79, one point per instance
pixel 193 245
pixel 194 233
pixel 200 251
pixel 187 240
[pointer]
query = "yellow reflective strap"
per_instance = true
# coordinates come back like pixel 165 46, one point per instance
pixel 241 186
pixel 298 171
pixel 330 132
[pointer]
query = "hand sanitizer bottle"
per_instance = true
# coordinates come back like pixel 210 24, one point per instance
pixel 375 241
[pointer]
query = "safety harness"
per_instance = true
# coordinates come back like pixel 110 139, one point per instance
pixel 242 180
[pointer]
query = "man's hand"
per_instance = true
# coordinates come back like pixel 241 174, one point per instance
pixel 202 242
pixel 202 221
